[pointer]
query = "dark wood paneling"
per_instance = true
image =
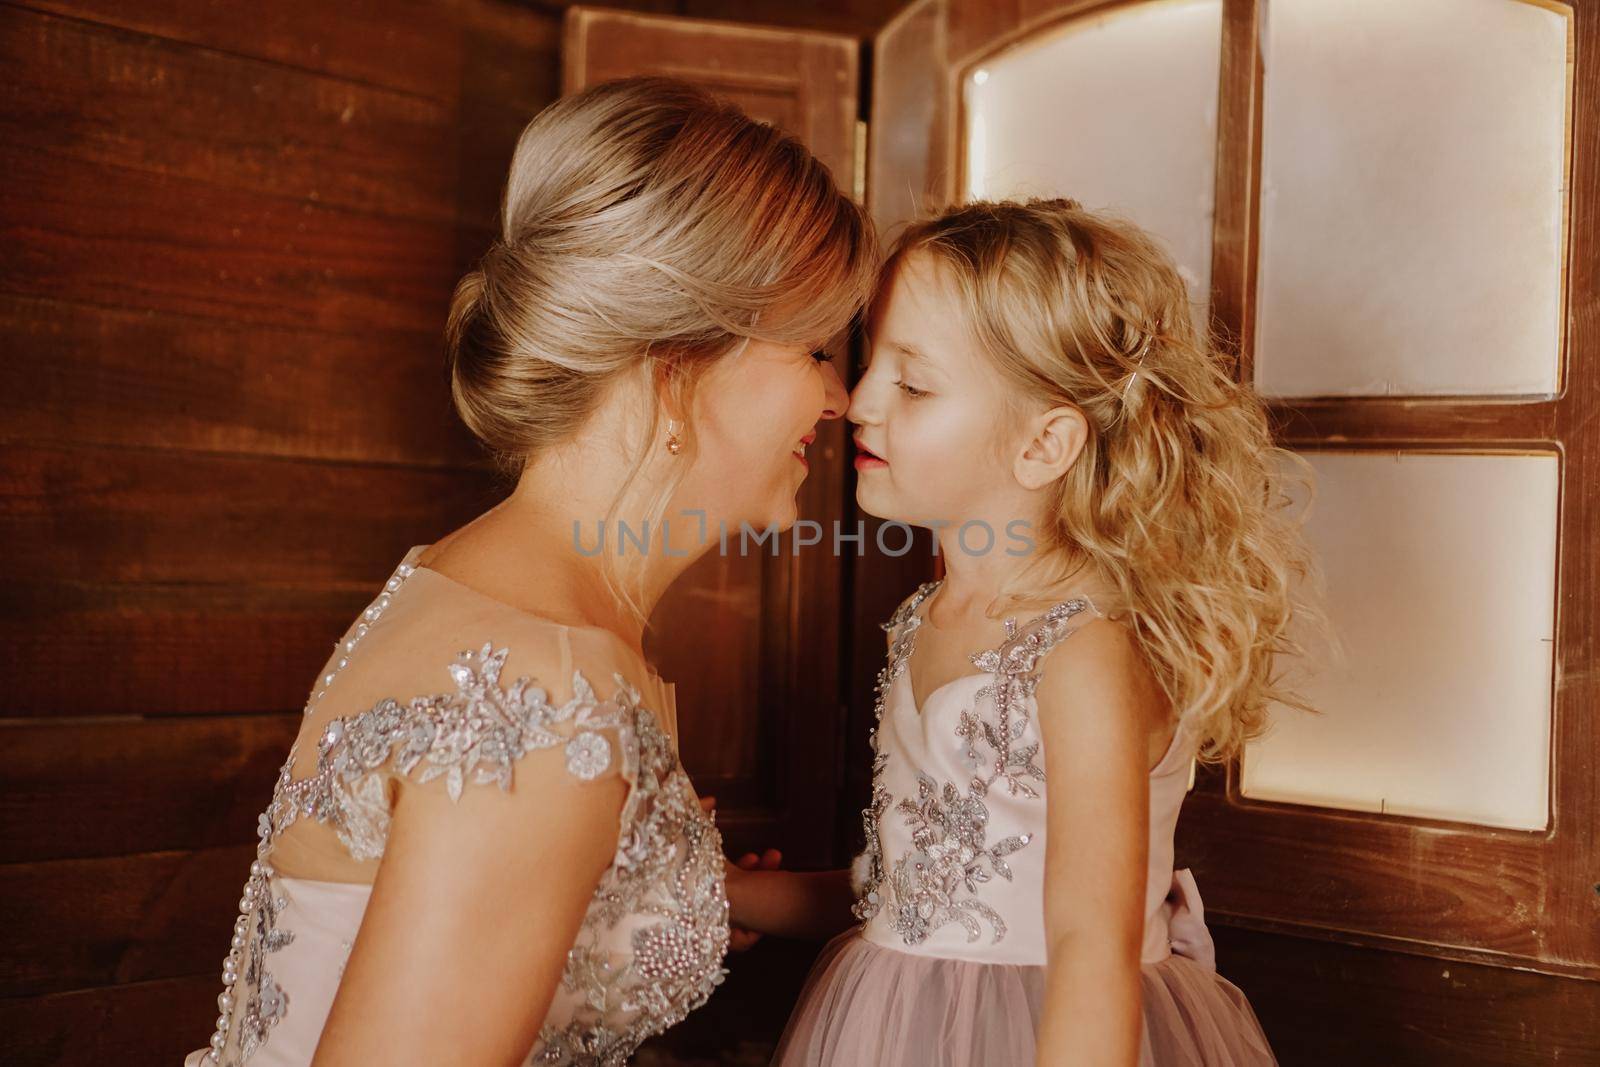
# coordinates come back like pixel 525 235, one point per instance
pixel 71 924
pixel 82 374
pixel 142 1024
pixel 108 96
pixel 413 46
pixel 126 238
pixel 71 648
pixel 1385 877
pixel 76 790
pixel 1238 184
pixel 231 235
pixel 94 514
pixel 1333 1005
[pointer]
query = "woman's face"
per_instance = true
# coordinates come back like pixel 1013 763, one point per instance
pixel 756 411
pixel 931 423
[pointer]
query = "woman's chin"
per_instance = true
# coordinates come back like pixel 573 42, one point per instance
pixel 780 517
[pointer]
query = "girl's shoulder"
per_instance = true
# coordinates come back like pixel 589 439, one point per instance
pixel 908 607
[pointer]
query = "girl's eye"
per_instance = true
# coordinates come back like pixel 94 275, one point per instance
pixel 822 357
pixel 912 391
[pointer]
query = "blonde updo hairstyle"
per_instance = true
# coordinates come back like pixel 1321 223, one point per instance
pixel 647 229
pixel 1179 495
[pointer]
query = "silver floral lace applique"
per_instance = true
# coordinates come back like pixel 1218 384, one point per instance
pixel 669 865
pixel 668 862
pixel 949 829
pixel 948 833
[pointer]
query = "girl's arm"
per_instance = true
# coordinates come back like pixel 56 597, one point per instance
pixel 809 904
pixel 1098 704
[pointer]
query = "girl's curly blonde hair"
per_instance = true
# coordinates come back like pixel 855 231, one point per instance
pixel 1178 498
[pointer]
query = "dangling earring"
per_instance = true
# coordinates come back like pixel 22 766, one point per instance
pixel 674 445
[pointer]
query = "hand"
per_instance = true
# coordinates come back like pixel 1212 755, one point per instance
pixel 740 938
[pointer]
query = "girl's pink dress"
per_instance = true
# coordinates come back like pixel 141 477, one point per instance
pixel 948 966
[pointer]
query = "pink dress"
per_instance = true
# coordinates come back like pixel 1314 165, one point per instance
pixel 947 968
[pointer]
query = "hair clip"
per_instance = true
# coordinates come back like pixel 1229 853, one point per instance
pixel 1138 363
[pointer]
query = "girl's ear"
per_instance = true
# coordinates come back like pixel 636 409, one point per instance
pixel 1056 441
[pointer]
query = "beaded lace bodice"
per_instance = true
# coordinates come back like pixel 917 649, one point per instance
pixel 954 858
pixel 651 944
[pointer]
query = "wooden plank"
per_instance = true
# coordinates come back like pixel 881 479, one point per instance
pixel 1575 869
pixel 510 56
pixel 1238 186
pixel 108 96
pixel 71 924
pixel 153 649
pixel 410 45
pixel 1329 1005
pixel 1403 423
pixel 76 790
pixel 908 172
pixel 143 1024
pixel 96 514
pixel 81 373
pixel 1472 892
pixel 110 235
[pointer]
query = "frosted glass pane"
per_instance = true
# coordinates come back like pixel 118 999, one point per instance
pixel 1412 198
pixel 1118 112
pixel 1441 584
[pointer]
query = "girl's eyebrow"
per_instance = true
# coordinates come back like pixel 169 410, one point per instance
pixel 911 352
pixel 915 355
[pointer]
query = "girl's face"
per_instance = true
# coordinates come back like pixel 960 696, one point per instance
pixel 932 431
pixel 756 411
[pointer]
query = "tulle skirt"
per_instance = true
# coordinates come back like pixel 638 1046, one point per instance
pixel 867 1005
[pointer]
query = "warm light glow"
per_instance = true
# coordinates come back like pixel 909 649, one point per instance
pixel 1441 581
pixel 1412 197
pixel 1117 111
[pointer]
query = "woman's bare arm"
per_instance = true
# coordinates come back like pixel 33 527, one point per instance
pixel 473 910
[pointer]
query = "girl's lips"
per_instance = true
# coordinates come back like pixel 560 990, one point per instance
pixel 866 459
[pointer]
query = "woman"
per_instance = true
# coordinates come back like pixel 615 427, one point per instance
pixel 486 785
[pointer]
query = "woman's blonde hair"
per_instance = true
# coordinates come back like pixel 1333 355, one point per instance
pixel 647 229
pixel 1179 495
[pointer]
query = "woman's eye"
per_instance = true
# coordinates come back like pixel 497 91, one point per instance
pixel 912 391
pixel 822 357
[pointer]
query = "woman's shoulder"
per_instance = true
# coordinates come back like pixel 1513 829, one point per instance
pixel 463 690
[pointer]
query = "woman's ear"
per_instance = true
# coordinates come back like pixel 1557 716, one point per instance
pixel 1056 440
pixel 667 380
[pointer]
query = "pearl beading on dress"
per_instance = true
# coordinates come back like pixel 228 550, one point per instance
pixel 258 900
pixel 353 637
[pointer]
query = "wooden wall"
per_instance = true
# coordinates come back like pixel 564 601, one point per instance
pixel 230 233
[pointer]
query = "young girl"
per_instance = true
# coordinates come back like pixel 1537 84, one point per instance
pixel 1118 580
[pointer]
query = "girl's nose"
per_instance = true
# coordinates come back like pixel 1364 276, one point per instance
pixel 860 410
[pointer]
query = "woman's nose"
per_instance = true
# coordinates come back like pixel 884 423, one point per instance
pixel 835 399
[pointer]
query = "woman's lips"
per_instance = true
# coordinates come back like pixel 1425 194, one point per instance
pixel 800 449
